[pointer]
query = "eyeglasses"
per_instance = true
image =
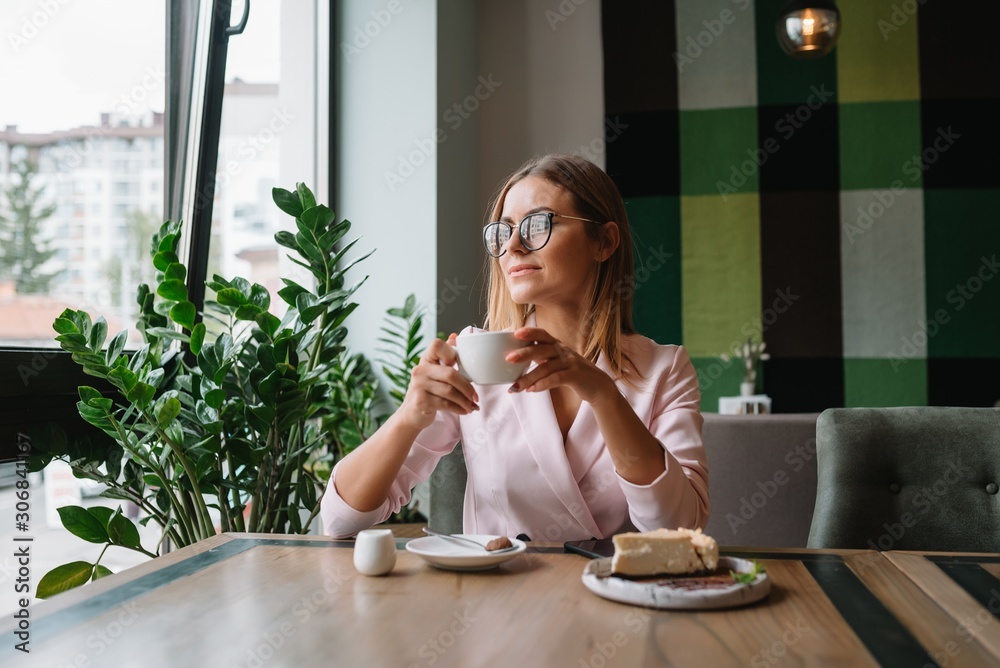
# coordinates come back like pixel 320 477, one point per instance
pixel 534 231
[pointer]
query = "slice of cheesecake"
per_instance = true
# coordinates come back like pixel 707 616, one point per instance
pixel 664 552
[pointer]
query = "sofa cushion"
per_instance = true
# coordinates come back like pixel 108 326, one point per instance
pixel 762 478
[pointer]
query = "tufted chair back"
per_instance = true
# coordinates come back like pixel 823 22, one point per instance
pixel 922 478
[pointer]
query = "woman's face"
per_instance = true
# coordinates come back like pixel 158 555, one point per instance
pixel 563 271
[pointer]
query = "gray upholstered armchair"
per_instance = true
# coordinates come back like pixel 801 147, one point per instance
pixel 923 478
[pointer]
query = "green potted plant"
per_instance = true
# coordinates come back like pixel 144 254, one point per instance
pixel 230 422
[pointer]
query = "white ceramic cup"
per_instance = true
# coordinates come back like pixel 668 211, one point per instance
pixel 374 552
pixel 481 357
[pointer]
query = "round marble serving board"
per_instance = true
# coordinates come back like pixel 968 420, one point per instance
pixel 696 592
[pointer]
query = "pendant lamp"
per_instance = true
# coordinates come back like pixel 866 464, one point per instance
pixel 808 28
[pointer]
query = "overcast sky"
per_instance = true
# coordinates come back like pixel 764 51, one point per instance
pixel 61 67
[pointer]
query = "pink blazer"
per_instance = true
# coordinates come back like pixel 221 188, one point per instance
pixel 524 479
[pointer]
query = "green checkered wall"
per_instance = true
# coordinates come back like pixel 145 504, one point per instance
pixel 846 210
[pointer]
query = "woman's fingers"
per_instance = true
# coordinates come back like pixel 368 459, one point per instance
pixel 537 353
pixel 534 334
pixel 444 382
pixel 440 352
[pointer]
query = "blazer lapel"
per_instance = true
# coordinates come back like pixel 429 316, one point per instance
pixel 538 422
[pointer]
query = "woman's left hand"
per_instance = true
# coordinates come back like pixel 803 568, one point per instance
pixel 558 365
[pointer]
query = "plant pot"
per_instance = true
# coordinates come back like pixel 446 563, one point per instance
pixel 748 389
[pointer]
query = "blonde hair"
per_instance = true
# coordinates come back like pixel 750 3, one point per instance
pixel 595 196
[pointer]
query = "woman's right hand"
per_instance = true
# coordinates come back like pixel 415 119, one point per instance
pixel 436 385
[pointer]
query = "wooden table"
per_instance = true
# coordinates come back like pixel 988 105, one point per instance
pixel 262 600
pixel 966 586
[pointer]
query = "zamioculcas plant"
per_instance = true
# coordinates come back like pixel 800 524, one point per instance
pixel 229 422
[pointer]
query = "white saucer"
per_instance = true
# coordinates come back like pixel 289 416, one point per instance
pixel 691 593
pixel 452 555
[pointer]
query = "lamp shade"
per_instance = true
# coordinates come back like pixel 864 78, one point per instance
pixel 808 28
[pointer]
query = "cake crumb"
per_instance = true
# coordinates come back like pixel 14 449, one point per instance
pixel 500 543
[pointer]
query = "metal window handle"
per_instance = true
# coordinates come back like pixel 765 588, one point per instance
pixel 241 26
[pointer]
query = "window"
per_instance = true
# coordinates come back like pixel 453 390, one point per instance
pixel 95 146
pixel 56 135
pixel 268 132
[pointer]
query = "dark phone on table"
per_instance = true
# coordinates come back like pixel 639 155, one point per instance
pixel 594 548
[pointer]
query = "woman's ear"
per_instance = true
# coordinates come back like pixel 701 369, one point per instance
pixel 610 238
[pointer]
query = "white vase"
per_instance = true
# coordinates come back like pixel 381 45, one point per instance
pixel 748 389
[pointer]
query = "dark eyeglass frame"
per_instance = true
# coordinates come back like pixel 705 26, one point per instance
pixel 522 229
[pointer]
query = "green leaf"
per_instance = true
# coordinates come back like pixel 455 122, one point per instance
pixel 268 322
pixel 747 578
pixel 79 522
pixel 101 571
pixel 64 325
pixel 290 291
pixel 98 334
pixel 141 394
pixel 197 338
pixel 286 239
pixel 183 314
pixel 231 297
pixel 259 296
pixel 172 289
pixel 168 333
pixel 214 398
pixel 287 202
pixel 164 259
pixel 306 196
pixel 116 347
pixel 87 393
pixel 168 242
pixel 248 312
pixel 306 303
pixel 175 271
pixel 170 409
pixel 62 578
pixel 123 378
pixel 102 513
pixel 121 531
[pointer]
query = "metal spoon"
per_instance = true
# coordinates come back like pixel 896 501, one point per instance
pixel 482 547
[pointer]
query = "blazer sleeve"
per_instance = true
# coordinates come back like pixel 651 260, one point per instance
pixel 679 496
pixel 341 520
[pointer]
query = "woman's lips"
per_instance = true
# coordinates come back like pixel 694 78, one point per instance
pixel 522 270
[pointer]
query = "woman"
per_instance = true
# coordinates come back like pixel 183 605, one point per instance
pixel 601 434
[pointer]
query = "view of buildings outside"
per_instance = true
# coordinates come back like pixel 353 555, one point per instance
pixel 101 187
pixel 82 190
pixel 79 200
